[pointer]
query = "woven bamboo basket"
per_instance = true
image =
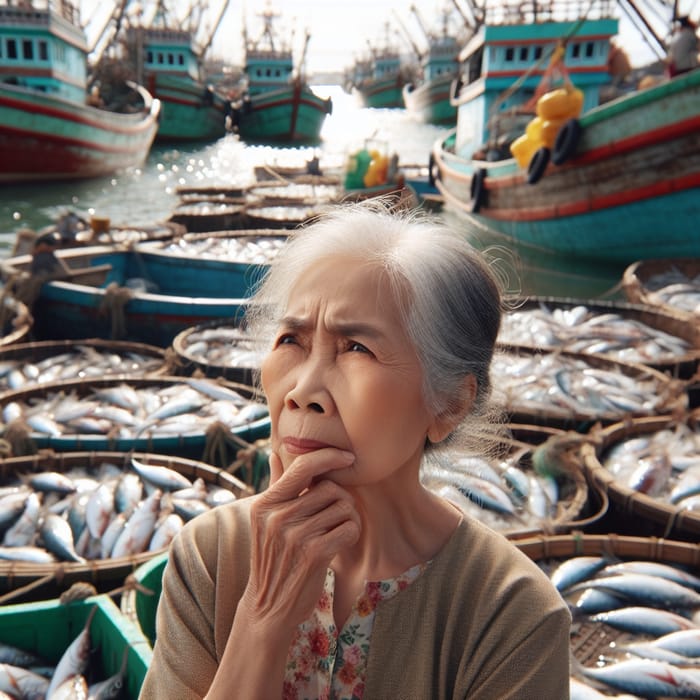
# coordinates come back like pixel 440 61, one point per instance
pixel 39 350
pixel 24 581
pixel 191 363
pixel 670 393
pixel 194 445
pixel 591 640
pixel 639 511
pixel 638 282
pixel 523 446
pixel 666 320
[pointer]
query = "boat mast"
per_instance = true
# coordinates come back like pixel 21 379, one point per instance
pixel 217 23
pixel 407 36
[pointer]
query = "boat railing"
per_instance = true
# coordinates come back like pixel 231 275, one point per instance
pixel 539 11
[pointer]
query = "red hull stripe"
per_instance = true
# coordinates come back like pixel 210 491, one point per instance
pixel 584 206
pixel 77 118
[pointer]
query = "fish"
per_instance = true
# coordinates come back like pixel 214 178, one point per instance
pixel 56 534
pixel 644 620
pixel 648 678
pixel 73 688
pixel 22 683
pixel 655 568
pixel 14 656
pixel 74 659
pixel 137 532
pixel 99 509
pixel 575 570
pixel 645 589
pixel 25 528
pixel 164 478
pixel 111 687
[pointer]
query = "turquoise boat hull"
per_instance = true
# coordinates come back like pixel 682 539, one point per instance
pixel 430 101
pixel 630 190
pixel 167 295
pixel 290 115
pixel 190 110
pixel 381 93
pixel 45 137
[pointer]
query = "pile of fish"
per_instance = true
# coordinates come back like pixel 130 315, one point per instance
pixel 295 191
pixel 566 386
pixel 122 411
pixel 79 361
pixel 674 288
pixel 223 345
pixel 102 513
pixel 643 617
pixel 26 676
pixel 506 493
pixel 252 250
pixel 580 329
pixel 664 465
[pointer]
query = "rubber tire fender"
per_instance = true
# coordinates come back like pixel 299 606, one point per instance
pixel 566 142
pixel 538 164
pixel 433 171
pixel 477 190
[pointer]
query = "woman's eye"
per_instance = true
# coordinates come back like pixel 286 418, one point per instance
pixel 354 346
pixel 286 339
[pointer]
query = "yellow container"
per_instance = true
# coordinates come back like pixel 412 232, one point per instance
pixel 533 130
pixel 523 149
pixel 550 129
pixel 560 104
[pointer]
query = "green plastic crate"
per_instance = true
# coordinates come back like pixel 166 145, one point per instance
pixel 150 576
pixel 47 628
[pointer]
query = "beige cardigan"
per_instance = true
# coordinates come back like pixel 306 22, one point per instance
pixel 482 622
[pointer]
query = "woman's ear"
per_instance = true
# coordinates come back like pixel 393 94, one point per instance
pixel 458 407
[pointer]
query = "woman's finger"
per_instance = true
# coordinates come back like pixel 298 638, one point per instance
pixel 276 470
pixel 304 470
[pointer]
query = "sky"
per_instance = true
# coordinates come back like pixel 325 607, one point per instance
pixel 341 29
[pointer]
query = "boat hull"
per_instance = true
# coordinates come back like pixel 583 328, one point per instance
pixel 44 137
pixel 190 110
pixel 430 101
pixel 630 191
pixel 382 93
pixel 166 294
pixel 290 115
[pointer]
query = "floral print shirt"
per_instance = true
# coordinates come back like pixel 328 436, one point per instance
pixel 330 665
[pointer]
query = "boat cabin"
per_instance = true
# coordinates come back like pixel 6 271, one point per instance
pixel 42 47
pixel 165 50
pixel 268 70
pixel 505 62
pixel 441 58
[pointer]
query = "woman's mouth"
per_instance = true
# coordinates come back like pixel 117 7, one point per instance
pixel 300 446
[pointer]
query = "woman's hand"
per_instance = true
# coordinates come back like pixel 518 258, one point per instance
pixel 298 525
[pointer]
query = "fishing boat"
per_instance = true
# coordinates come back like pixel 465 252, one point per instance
pixel 378 80
pixel 169 64
pixel 617 183
pixel 277 105
pixel 428 97
pixel 52 127
pixel 144 296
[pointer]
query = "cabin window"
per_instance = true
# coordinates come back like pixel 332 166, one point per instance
pixel 589 49
pixel 12 48
pixel 268 73
pixel 537 53
pixel 523 53
pixel 576 51
pixel 161 58
pixel 181 60
pixel 149 56
pixel 28 50
pixel 510 54
pixel 43 51
pixel 171 59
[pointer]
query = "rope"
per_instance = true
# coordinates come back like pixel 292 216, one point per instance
pixel 17 437
pixel 26 589
pixel 78 591
pixel 115 299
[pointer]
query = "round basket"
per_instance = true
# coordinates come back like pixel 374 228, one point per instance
pixel 589 331
pixel 532 388
pixel 218 349
pixel 593 640
pixel 15 321
pixel 642 279
pixel 202 436
pixel 209 215
pixel 522 464
pixel 91 357
pixel 639 511
pixel 29 580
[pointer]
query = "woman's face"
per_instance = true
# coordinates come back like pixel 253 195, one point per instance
pixel 343 373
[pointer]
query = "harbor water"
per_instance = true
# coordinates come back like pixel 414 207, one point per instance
pixel 148 194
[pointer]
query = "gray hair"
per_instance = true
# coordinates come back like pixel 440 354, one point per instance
pixel 449 297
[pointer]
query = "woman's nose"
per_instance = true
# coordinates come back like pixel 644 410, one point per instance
pixel 310 390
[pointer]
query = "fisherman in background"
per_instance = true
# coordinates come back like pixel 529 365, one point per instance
pixel 683 48
pixel 45 262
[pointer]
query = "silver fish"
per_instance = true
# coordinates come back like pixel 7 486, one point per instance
pixel 58 537
pixel 163 477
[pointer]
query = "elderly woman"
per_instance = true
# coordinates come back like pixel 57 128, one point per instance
pixel 346 578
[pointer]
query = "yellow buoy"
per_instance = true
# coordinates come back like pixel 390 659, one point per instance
pixel 561 103
pixel 523 148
